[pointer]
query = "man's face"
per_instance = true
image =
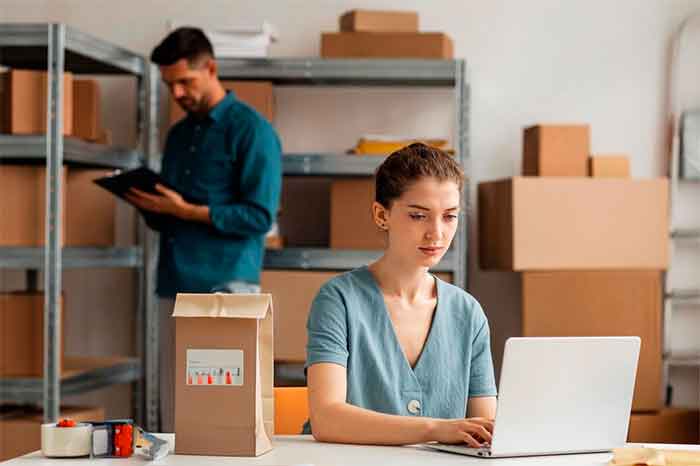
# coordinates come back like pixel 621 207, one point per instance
pixel 190 84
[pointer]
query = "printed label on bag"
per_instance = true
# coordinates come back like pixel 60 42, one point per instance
pixel 214 367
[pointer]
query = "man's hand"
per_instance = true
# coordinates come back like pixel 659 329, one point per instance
pixel 167 202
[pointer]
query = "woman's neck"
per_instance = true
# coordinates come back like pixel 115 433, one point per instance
pixel 396 279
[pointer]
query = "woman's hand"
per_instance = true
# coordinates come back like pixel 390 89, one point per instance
pixel 474 431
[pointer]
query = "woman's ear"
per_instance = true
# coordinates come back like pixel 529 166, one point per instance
pixel 380 214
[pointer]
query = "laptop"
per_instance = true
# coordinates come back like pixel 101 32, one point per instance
pixel 561 396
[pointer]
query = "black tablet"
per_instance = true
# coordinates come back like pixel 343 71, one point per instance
pixel 141 178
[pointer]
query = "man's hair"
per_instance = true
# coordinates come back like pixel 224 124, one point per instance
pixel 185 42
pixel 410 164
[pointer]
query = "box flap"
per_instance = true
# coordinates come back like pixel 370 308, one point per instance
pixel 239 305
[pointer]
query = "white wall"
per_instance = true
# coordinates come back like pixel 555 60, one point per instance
pixel 594 61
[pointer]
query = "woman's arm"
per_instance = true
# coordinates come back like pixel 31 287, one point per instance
pixel 334 420
pixel 482 406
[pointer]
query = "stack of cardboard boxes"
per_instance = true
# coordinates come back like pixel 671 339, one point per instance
pixel 384 34
pixel 591 245
pixel 88 219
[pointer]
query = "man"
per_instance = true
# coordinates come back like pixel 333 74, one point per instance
pixel 223 161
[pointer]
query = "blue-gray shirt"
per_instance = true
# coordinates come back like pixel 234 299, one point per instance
pixel 231 161
pixel 349 325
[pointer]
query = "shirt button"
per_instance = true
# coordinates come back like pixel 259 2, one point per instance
pixel 413 406
pixel 187 172
pixel 193 149
pixel 196 128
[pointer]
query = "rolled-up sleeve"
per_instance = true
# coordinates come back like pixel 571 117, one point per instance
pixel 481 381
pixel 260 177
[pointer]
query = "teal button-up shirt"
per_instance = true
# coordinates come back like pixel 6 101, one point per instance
pixel 349 325
pixel 231 162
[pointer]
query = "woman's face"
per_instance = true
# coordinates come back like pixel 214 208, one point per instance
pixel 422 222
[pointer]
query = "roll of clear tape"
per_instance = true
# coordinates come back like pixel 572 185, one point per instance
pixel 66 442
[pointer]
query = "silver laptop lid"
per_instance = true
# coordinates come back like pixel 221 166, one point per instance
pixel 565 395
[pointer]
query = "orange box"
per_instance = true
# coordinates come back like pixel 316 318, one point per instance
pixel 601 303
pixel 86 109
pixel 20 427
pixel 23 96
pixel 670 425
pixel 556 150
pixel 528 223
pixel 609 166
pixel 22 335
pixel 386 45
pixel 257 94
pixel 379 21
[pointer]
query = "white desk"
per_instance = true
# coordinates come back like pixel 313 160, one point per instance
pixel 304 450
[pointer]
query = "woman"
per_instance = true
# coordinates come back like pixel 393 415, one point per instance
pixel 396 356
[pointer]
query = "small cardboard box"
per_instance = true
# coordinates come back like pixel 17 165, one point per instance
pixel 86 109
pixel 379 21
pixel 556 150
pixel 22 334
pixel 224 404
pixel 23 97
pixel 90 210
pixel 431 45
pixel 257 94
pixel 20 427
pixel 669 425
pixel 609 166
pixel 528 223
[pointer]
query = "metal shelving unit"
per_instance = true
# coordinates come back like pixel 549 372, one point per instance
pixel 58 48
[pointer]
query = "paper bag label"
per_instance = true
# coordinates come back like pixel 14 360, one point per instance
pixel 214 367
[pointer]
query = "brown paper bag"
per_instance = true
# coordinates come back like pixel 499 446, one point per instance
pixel 223 374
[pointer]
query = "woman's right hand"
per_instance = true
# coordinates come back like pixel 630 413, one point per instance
pixel 475 431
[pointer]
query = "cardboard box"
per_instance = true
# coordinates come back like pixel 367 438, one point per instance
pixel 601 303
pixel 23 98
pixel 609 166
pixel 223 374
pixel 22 335
pixel 20 427
pixel 23 201
pixel 293 292
pixel 573 224
pixel 379 21
pixel 556 150
pixel 670 425
pixel 90 210
pixel 257 94
pixel 352 225
pixel 86 110
pixel 386 45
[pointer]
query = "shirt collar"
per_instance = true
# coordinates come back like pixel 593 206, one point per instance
pixel 222 107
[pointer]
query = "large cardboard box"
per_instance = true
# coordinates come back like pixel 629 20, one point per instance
pixel 530 223
pixel 224 404
pixel 386 45
pixel 556 150
pixel 257 94
pixel 22 335
pixel 670 425
pixel 86 109
pixel 23 102
pixel 293 292
pixel 601 303
pixel 352 225
pixel 379 21
pixel 23 205
pixel 90 210
pixel 87 211
pixel 20 427
pixel 609 166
